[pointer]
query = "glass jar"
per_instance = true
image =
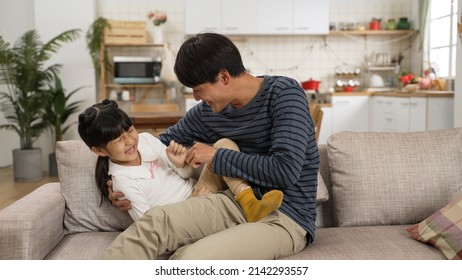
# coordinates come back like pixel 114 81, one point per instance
pixel 391 24
pixel 403 24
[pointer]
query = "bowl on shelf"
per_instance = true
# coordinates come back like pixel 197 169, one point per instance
pixel 376 81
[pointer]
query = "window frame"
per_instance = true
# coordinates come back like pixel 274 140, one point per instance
pixel 452 40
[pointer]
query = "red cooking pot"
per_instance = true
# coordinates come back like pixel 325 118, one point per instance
pixel 311 85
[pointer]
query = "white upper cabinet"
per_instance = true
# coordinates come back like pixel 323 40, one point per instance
pixel 310 17
pixel 250 17
pixel 274 17
pixel 203 15
pixel 239 17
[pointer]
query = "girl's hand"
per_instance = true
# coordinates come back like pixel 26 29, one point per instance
pixel 176 153
pixel 116 198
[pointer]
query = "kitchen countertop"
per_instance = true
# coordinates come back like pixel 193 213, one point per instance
pixel 418 93
pixel 324 99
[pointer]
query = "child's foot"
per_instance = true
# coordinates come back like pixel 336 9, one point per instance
pixel 255 209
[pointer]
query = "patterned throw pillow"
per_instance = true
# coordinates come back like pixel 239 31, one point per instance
pixel 443 229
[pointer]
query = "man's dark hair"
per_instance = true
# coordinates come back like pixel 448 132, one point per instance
pixel 202 56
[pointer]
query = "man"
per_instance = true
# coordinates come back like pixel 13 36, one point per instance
pixel 268 118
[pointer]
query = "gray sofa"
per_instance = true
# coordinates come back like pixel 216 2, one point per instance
pixel 379 184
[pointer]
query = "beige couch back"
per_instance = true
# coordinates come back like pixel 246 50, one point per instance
pixel 389 178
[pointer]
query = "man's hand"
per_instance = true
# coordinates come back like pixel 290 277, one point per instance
pixel 117 199
pixel 200 153
pixel 176 153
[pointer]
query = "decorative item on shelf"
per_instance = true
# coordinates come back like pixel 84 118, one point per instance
pixel 403 24
pixel 391 24
pixel 156 29
pixel 360 26
pixel 375 24
pixel 347 78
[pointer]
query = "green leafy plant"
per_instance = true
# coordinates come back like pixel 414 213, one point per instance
pixel 95 42
pixel 60 109
pixel 25 70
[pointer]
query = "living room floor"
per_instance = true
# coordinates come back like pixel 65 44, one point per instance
pixel 10 191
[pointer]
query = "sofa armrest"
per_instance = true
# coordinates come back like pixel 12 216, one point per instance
pixel 32 226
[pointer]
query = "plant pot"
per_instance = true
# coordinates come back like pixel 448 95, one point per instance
pixel 27 165
pixel 52 165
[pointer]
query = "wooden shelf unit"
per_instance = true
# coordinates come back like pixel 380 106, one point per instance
pixel 374 32
pixel 106 85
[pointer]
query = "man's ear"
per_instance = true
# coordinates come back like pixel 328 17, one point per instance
pixel 224 76
pixel 99 151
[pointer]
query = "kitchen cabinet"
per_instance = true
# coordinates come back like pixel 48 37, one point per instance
pixel 250 17
pixel 274 16
pixel 239 17
pixel 350 113
pixel 440 113
pixel 310 17
pixel 411 113
pixel 398 114
pixel 380 121
pixel 203 15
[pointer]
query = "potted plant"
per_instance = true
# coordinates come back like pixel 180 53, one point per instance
pixel 95 41
pixel 57 114
pixel 24 69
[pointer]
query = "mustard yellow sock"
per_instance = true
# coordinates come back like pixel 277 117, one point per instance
pixel 255 209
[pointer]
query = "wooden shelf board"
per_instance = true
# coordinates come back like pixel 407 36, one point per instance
pixel 373 32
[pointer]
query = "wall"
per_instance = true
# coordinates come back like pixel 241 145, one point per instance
pixel 17 16
pixel 458 81
pixel 301 57
pixel 20 13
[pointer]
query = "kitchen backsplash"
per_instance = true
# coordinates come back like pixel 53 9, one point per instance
pixel 302 57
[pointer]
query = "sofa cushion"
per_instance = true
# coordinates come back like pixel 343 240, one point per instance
pixel 322 194
pixel 366 243
pixel 76 169
pixel 381 178
pixel 443 229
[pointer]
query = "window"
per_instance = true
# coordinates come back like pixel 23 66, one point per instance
pixel 443 37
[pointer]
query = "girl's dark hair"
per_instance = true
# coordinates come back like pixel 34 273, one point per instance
pixel 202 56
pixel 98 125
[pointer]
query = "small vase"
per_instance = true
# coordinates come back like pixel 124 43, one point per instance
pixel 391 24
pixel 375 25
pixel 403 24
pixel 158 34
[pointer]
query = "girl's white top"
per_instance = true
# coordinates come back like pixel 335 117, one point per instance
pixel 157 181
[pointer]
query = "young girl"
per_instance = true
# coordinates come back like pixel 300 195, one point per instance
pixel 151 174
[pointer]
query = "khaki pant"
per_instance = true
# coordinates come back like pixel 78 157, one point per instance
pixel 214 182
pixel 210 226
pixel 207 227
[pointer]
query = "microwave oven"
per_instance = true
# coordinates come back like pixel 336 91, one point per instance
pixel 136 70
